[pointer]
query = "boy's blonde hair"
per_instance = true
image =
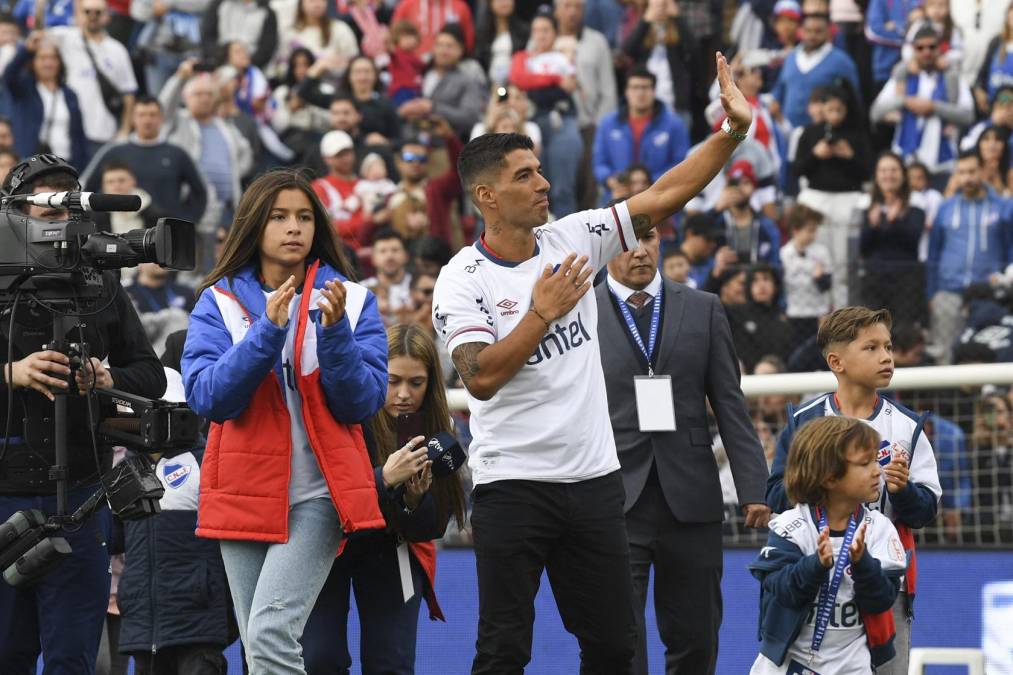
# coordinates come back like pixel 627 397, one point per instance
pixel 842 325
pixel 819 452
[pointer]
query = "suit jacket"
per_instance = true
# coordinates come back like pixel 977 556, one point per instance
pixel 695 348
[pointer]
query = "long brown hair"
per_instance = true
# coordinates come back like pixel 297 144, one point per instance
pixel 301 23
pixel 411 341
pixel 242 243
pixel 819 452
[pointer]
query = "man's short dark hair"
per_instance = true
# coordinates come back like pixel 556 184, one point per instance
pixel 414 282
pixel 906 335
pixel 970 153
pixel 148 100
pixel 385 233
pixel 644 74
pixel 117 166
pixel 701 224
pixel 486 153
pixel 925 32
pixel 344 97
pixel 822 16
pixel 455 31
pixel 432 249
pixel 674 252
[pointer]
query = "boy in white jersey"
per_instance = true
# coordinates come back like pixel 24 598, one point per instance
pixel 856 344
pixel 831 568
pixel 515 314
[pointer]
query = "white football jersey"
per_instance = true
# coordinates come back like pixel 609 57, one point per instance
pixel 844 650
pixel 551 421
pixel 896 427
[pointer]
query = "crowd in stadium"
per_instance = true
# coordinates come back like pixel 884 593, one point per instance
pixel 877 170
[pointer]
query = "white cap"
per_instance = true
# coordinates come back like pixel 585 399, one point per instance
pixel 334 142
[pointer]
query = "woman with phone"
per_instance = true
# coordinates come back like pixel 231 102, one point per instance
pixel 391 570
pixel 287 357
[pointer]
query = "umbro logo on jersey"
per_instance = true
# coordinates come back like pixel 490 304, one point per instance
pixel 508 307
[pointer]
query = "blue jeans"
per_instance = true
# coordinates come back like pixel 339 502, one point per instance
pixel 61 616
pixel 274 586
pixel 388 624
pixel 562 150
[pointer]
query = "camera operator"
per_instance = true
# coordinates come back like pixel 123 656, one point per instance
pixel 62 614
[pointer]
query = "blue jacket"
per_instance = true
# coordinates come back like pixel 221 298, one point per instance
pixel 886 42
pixel 968 242
pixel 915 506
pixel 27 111
pixel 664 143
pixel 173 590
pixel 353 365
pixel 58 12
pixel 793 87
pixel 790 583
pixel 767 245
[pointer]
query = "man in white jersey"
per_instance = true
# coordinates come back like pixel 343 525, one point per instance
pixel 517 319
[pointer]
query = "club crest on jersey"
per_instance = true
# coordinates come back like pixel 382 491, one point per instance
pixel 507 307
pixel 884 454
pixel 176 474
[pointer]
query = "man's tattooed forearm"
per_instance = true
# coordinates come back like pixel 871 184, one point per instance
pixel 641 224
pixel 466 359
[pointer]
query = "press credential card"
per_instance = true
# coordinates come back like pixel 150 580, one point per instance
pixel 655 407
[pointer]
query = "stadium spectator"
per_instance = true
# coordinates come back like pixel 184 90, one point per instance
pixel 765 196
pixel 162 304
pixel 954 461
pixel 435 194
pixel 663 43
pixel 499 34
pixel 223 155
pixel 675 267
pixel 925 197
pixel 45 112
pixel 251 22
pixel 379 115
pixel 417 507
pixel 749 234
pixel 772 408
pixel 700 237
pixel 759 326
pixel 161 168
pixel 834 159
pixel 992 464
pixel 450 90
pixel 430 255
pixel 923 102
pixel 994 150
pixel 374 188
pixel 549 78
pixel 596 84
pixel 643 130
pixel 430 17
pixel 312 28
pixel 336 190
pixel 6 133
pixel 8 159
pixel 299 123
pixel 512 98
pixel 406 67
pixel 807 269
pixel 951 40
pixel 99 71
pixel 1000 114
pixel 886 24
pixel 971 239
pixel 119 179
pixel 779 39
pixel 730 287
pixel 813 63
pixel 169 33
pixel 302 438
pixel 997 67
pixel 891 275
pixel 671 503
pixel 57 13
pixel 392 280
pixel 369 20
pixel 10 35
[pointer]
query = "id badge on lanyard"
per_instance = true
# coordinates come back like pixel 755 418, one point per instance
pixel 655 403
pixel 828 591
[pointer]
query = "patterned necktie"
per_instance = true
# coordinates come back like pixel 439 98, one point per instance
pixel 638 299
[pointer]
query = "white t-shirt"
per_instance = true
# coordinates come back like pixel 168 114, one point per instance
pixel 55 128
pixel 551 421
pixel 114 61
pixel 844 650
pixel 306 482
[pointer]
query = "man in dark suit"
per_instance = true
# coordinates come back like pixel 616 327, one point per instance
pixel 674 506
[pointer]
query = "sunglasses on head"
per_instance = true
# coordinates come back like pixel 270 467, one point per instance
pixel 413 156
